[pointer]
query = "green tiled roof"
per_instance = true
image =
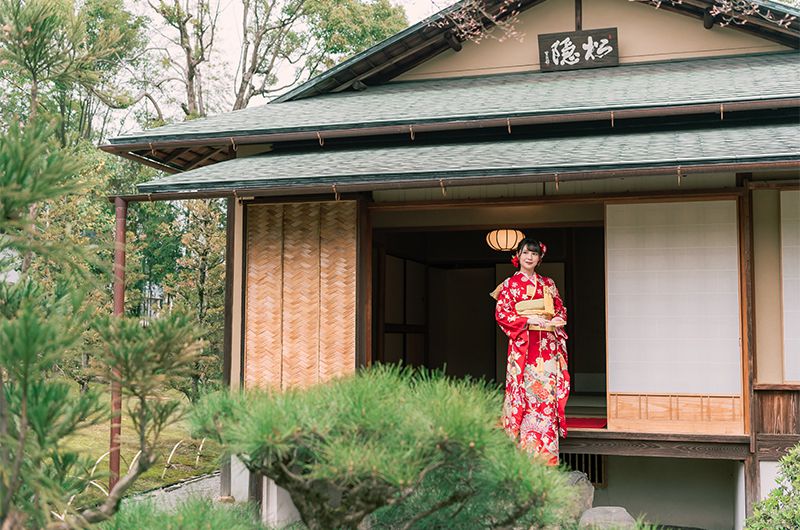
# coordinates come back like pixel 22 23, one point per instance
pixel 512 157
pixel 687 82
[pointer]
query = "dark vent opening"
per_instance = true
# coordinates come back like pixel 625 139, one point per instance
pixel 594 466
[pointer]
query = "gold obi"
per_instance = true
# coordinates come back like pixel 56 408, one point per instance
pixel 542 307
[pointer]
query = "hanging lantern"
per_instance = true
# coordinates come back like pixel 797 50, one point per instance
pixel 504 239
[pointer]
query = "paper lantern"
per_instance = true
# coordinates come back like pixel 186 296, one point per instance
pixel 504 239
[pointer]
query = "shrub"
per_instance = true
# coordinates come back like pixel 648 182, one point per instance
pixel 781 509
pixel 194 514
pixel 412 448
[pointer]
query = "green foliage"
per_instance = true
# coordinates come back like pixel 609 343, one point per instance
pixel 36 414
pixel 63 57
pixel 343 28
pixel 193 514
pixel 39 322
pixel 415 449
pixel 31 171
pixel 781 509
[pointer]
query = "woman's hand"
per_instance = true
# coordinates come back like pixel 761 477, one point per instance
pixel 558 322
pixel 537 321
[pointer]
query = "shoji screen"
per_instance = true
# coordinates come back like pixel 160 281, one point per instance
pixel 673 317
pixel 790 274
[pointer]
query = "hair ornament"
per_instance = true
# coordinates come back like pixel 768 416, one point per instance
pixel 515 261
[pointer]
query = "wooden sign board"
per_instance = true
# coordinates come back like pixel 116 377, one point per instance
pixel 574 50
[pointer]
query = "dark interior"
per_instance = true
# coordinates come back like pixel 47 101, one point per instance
pixel 432 306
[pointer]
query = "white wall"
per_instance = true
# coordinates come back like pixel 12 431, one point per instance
pixel 673 491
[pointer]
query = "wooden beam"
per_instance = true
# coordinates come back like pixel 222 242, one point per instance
pixel 202 158
pixel 604 442
pixel 174 154
pixel 147 162
pixel 777 386
pixel 700 194
pixel 453 41
pixel 396 59
pixel 773 447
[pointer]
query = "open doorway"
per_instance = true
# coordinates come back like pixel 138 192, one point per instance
pixel 432 306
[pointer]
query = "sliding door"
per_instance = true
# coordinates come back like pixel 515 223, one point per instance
pixel 673 317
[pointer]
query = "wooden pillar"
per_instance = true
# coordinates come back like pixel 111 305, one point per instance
pixel 578 15
pixel 751 467
pixel 364 356
pixel 227 347
pixel 751 483
pixel 121 208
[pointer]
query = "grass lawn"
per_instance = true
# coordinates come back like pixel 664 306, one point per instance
pixel 185 463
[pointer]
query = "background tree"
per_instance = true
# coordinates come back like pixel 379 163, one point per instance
pixel 38 475
pixel 198 288
pixel 194 26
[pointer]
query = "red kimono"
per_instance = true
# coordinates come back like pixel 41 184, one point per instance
pixel 537 380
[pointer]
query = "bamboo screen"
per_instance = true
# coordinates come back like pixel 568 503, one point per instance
pixel 300 293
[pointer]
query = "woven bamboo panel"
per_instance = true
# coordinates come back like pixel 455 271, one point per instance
pixel 337 325
pixel 301 289
pixel 263 296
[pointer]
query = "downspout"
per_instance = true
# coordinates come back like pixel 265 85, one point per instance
pixel 121 207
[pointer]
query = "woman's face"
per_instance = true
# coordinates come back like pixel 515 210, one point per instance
pixel 528 259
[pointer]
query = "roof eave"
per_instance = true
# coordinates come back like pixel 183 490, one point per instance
pixel 210 149
pixel 463 178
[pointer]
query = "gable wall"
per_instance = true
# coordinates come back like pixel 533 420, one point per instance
pixel 645 34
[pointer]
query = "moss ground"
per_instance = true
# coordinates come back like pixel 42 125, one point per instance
pixel 188 460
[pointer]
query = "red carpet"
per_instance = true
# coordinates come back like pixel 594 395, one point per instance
pixel 586 423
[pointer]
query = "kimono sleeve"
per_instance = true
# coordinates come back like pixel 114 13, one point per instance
pixel 558 304
pixel 505 313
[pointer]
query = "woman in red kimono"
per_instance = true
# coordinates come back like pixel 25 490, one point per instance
pixel 532 315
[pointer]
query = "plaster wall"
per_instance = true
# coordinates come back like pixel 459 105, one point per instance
pixel 645 34
pixel 673 491
pixel 767 285
pixel 768 477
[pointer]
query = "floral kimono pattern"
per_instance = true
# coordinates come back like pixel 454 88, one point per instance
pixel 537 380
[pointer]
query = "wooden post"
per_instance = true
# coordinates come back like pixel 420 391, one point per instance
pixel 121 208
pixel 227 347
pixel 364 322
pixel 578 15
pixel 751 466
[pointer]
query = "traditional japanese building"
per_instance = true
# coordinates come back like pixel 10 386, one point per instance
pixel 655 151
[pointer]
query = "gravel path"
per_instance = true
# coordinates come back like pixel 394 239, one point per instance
pixel 168 498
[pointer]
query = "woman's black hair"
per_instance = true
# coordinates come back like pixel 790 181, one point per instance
pixel 531 244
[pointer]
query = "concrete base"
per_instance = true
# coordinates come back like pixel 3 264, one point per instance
pixel 277 508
